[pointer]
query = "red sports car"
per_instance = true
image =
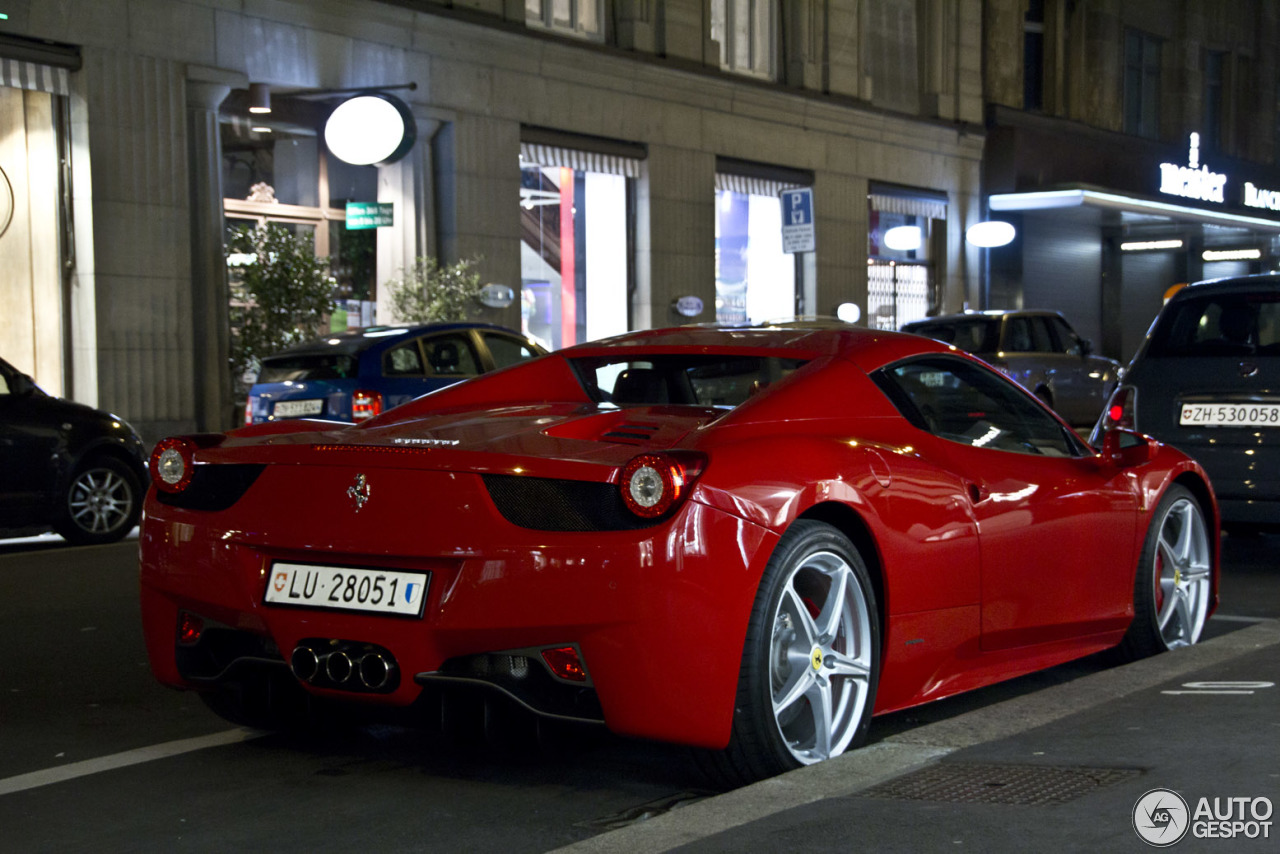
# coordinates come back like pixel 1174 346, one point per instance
pixel 747 540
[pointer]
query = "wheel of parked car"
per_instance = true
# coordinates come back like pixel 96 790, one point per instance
pixel 1173 586
pixel 101 503
pixel 812 656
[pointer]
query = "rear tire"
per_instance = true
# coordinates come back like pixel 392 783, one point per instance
pixel 101 503
pixel 811 661
pixel 1172 588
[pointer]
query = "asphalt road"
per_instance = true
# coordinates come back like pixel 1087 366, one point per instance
pixel 95 756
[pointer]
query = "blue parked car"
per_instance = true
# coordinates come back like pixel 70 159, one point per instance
pixel 353 376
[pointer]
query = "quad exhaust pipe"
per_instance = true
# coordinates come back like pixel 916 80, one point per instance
pixel 345 665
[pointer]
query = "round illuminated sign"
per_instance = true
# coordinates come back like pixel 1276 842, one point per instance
pixel 497 295
pixel 370 130
pixel 903 238
pixel 688 306
pixel 849 312
pixel 990 234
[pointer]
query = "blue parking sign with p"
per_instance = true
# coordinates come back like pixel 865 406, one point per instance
pixel 797 220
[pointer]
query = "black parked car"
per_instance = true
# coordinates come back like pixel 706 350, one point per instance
pixel 1207 380
pixel 67 467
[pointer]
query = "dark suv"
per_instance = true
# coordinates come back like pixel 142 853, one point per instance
pixel 1037 349
pixel 353 376
pixel 1207 380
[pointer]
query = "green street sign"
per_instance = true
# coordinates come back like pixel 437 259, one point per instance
pixel 369 215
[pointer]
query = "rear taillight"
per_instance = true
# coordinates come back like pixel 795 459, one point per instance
pixel 190 628
pixel 248 410
pixel 1121 408
pixel 172 463
pixel 365 404
pixel 565 663
pixel 652 484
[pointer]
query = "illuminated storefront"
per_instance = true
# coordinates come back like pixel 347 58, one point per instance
pixel 575 243
pixel 1108 224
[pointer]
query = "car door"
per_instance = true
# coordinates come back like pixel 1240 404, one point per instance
pixel 30 436
pixel 1078 381
pixel 1057 527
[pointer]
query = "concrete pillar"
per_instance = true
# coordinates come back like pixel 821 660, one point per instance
pixel 214 401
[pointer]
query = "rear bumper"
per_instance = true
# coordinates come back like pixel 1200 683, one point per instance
pixel 659 623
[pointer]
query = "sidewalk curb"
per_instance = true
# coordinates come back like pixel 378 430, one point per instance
pixel 905 752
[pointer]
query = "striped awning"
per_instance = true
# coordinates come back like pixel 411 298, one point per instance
pixel 908 205
pixel 18 74
pixel 750 185
pixel 539 154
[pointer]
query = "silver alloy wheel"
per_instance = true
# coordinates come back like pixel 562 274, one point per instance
pixel 820 658
pixel 99 501
pixel 1181 574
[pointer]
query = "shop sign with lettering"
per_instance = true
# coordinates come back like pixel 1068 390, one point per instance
pixel 1193 181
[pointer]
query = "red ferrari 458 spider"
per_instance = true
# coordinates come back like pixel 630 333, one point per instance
pixel 745 540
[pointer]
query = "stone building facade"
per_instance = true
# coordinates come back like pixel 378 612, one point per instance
pixel 678 121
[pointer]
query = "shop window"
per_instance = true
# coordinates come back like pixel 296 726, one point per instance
pixel 576 238
pixel 1141 84
pixel 581 18
pixel 747 33
pixel 276 169
pixel 755 279
pixel 903 228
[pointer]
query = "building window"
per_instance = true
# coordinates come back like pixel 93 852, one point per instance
pixel 576 238
pixel 1141 84
pixel 581 18
pixel 747 33
pixel 1033 57
pixel 755 279
pixel 276 169
pixel 1211 130
pixel 902 229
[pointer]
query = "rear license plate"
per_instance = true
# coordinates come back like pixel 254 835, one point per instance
pixel 345 588
pixel 297 408
pixel 1230 415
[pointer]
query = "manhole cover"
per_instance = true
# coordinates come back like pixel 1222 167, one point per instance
pixel 964 783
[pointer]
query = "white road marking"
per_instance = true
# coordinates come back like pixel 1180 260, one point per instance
pixel 1229 618
pixel 61 774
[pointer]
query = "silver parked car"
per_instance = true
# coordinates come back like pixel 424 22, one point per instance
pixel 1207 380
pixel 1037 349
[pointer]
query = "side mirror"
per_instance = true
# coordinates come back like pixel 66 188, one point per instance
pixel 21 385
pixel 1086 348
pixel 1127 448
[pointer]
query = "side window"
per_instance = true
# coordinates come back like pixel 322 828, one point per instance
pixel 1017 335
pixel 402 361
pixel 450 355
pixel 507 350
pixel 1067 340
pixel 966 403
pixel 1041 342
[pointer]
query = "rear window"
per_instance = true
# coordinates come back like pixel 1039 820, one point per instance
pixel 320 366
pixel 1227 325
pixel 972 334
pixel 693 380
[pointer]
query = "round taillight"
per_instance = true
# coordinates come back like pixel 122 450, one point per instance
pixel 172 463
pixel 652 484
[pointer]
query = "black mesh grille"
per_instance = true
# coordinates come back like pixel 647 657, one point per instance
pixel 546 504
pixel 213 487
